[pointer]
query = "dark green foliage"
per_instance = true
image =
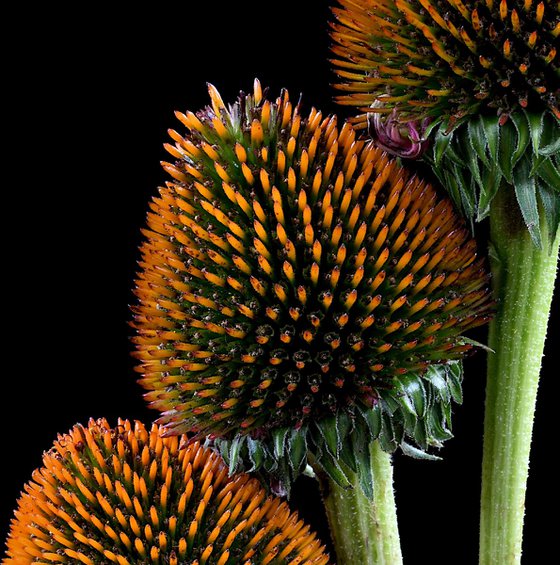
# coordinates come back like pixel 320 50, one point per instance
pixel 480 156
pixel 414 415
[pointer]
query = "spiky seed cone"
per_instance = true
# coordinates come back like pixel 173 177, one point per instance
pixel 124 495
pixel 448 58
pixel 291 271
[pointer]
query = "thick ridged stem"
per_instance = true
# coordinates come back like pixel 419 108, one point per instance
pixel 364 531
pixel 523 283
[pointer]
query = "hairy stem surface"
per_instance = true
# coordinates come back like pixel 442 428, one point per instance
pixel 364 531
pixel 523 283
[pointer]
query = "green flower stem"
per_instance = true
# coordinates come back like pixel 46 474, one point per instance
pixel 364 532
pixel 523 283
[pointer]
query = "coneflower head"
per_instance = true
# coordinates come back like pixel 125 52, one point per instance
pixel 448 58
pixel 292 273
pixel 125 495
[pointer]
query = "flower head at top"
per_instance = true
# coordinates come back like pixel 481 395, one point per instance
pixel 448 58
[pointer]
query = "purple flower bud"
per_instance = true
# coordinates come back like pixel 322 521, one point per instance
pixel 403 139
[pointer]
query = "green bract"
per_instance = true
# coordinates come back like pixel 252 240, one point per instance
pixel 414 416
pixel 523 155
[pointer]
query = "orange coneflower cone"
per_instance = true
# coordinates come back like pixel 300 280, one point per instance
pixel 447 59
pixel 126 495
pixel 294 278
pixel 486 70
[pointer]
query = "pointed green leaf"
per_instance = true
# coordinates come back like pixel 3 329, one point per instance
pixel 355 445
pixel 420 433
pixel 491 178
pixel 416 453
pixel 234 452
pixel 360 439
pixel 549 174
pixel 223 449
pixel 475 170
pixel 372 417
pixel 446 413
pixel 466 190
pixel 405 402
pixel 343 426
pixel 365 473
pixel 437 123
pixel 435 376
pixel 387 435
pixel 441 143
pixel 329 431
pixel 334 471
pixel 454 155
pixel 297 450
pixel 391 402
pixel 475 343
pixel 347 456
pixel 550 136
pixel 411 385
pixel 477 139
pixel 550 200
pixel 490 125
pixel 506 148
pixel 525 191
pixel 454 372
pixel 256 453
pixel 438 171
pixel 392 430
pixel 437 423
pixel 279 441
pixel 535 122
pixel 270 464
pixel 398 430
pixel 409 420
pixel 452 188
pixel 520 122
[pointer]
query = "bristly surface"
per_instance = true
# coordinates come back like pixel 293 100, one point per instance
pixel 125 495
pixel 292 272
pixel 448 58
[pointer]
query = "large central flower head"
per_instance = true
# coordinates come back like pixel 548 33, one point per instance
pixel 292 272
pixel 448 58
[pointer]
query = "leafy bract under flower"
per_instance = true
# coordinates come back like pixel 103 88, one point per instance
pixel 291 271
pixel 480 157
pixel 125 495
pixel 448 58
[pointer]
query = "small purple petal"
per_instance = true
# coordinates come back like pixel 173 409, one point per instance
pixel 403 139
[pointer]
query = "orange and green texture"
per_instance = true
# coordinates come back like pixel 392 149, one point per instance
pixel 126 495
pixel 447 58
pixel 302 300
pixel 487 74
pixel 292 272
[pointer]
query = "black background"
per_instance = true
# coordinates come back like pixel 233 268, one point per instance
pixel 94 90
